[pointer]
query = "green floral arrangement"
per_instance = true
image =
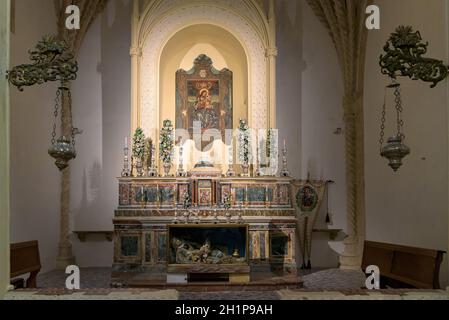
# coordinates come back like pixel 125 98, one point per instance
pixel 244 141
pixel 139 144
pixel 269 141
pixel 166 145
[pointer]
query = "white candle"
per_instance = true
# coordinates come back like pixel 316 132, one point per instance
pixel 285 145
pixel 126 142
pixel 231 154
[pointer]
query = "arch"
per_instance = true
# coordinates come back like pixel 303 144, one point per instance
pixel 161 20
pixel 181 51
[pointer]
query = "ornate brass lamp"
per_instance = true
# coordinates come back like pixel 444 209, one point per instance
pixel 395 150
pixel 403 57
pixel 52 61
pixel 63 151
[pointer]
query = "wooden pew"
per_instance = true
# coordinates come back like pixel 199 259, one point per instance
pixel 403 266
pixel 25 259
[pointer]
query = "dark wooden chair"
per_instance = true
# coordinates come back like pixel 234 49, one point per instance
pixel 24 259
pixel 403 266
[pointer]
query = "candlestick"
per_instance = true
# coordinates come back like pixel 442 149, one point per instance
pixel 231 172
pixel 126 172
pixel 152 172
pixel 181 172
pixel 285 172
pixel 259 172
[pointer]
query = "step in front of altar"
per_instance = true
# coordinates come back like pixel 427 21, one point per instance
pixel 201 268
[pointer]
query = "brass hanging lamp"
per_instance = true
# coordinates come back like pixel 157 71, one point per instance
pixel 395 149
pixel 51 61
pixel 403 57
pixel 62 149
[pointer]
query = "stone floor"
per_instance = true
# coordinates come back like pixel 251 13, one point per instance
pixel 331 284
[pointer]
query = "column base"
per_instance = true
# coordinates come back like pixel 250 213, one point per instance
pixel 63 262
pixel 351 258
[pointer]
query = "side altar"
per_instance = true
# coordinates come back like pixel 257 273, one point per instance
pixel 234 227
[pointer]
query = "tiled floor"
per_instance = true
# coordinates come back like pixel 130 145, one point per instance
pixel 90 278
pixel 97 278
pixel 332 284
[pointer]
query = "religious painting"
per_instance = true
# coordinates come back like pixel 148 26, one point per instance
pixel 204 192
pixel 204 98
pixel 307 198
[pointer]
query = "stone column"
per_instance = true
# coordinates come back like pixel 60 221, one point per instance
pixel 65 256
pixel 136 53
pixel 351 258
pixel 271 53
pixel 4 147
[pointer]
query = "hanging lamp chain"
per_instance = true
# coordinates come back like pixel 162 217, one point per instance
pixel 73 130
pixel 399 110
pixel 383 120
pixel 56 113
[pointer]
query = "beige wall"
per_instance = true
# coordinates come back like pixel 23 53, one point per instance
pixel 322 153
pixel 409 207
pixel 34 178
pixel 4 147
pixel 101 98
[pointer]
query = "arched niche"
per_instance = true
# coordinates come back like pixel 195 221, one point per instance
pixel 181 51
pixel 161 20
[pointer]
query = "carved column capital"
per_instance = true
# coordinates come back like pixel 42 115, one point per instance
pixel 271 52
pixel 135 51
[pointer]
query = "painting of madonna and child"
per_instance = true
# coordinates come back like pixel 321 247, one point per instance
pixel 204 102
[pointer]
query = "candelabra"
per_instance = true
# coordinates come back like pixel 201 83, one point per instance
pixel 132 165
pixel 284 172
pixel 152 171
pixel 231 172
pixel 181 172
pixel 126 171
pixel 259 172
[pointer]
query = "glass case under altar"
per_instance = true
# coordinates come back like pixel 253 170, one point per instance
pixel 208 244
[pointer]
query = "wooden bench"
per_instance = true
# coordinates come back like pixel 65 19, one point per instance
pixel 25 259
pixel 403 266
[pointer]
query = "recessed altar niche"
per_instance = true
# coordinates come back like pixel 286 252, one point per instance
pixel 220 103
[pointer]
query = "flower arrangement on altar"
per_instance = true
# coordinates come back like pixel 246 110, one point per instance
pixel 244 146
pixel 139 144
pixel 166 145
pixel 139 152
pixel 272 152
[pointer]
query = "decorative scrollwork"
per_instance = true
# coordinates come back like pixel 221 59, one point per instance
pixel 52 61
pixel 404 57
